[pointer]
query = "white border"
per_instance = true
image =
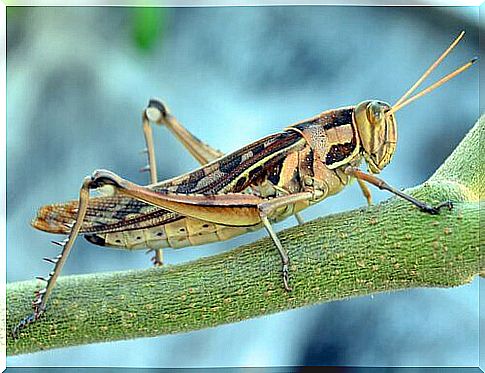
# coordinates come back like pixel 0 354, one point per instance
pixel 211 3
pixel 3 186
pixel 164 3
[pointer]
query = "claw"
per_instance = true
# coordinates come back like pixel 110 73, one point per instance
pixel 156 262
pixel 436 210
pixel 23 323
pixel 447 204
pixel 286 277
pixel 27 320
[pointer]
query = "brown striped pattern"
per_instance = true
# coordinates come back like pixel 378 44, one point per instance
pixel 222 175
pixel 119 213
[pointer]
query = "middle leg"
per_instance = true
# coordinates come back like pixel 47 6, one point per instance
pixel 365 191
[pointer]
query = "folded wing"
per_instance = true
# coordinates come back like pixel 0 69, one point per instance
pixel 104 214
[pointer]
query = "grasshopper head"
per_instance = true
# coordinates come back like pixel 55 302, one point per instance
pixel 377 132
pixel 375 121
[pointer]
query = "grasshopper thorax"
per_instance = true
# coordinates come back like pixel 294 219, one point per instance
pixel 377 132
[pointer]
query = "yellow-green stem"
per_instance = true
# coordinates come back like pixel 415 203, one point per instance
pixel 387 247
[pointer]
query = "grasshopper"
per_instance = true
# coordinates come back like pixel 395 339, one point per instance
pixel 262 183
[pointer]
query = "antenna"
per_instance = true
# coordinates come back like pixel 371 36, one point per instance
pixel 432 87
pixel 431 68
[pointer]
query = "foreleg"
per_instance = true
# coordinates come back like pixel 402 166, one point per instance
pixel 381 184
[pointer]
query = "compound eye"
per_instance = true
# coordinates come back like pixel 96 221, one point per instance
pixel 374 112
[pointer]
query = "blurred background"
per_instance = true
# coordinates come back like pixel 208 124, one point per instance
pixel 79 78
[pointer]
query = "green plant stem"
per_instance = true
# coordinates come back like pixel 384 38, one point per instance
pixel 387 247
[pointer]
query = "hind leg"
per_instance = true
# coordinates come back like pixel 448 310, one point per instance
pixel 158 113
pixel 41 296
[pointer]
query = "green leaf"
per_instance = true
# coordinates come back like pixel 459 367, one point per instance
pixel 147 26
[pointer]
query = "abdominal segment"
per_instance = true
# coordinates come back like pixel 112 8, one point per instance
pixel 180 233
